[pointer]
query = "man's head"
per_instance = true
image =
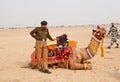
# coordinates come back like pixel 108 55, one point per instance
pixel 112 24
pixel 44 24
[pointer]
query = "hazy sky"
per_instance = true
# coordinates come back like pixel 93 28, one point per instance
pixel 58 12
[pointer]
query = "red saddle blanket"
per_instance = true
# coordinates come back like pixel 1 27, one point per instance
pixel 59 54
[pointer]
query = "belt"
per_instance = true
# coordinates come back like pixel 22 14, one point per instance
pixel 43 40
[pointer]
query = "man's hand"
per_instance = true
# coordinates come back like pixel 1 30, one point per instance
pixel 54 39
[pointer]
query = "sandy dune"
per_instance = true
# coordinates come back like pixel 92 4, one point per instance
pixel 16 46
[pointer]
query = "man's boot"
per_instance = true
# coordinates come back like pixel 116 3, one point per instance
pixel 45 71
pixel 109 47
pixel 117 46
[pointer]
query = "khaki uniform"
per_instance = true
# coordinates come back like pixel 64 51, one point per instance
pixel 41 35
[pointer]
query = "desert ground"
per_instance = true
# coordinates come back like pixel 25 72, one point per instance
pixel 16 46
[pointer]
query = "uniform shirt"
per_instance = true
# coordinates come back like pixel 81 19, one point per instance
pixel 40 33
pixel 113 31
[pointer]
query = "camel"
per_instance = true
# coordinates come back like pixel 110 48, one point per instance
pixel 78 57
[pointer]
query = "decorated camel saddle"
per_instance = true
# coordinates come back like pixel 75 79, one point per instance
pixel 58 51
pixel 65 53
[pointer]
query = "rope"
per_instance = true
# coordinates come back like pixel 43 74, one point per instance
pixel 74 62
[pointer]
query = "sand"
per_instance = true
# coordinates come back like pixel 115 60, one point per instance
pixel 16 46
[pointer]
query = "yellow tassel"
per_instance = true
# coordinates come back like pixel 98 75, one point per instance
pixel 85 65
pixel 102 50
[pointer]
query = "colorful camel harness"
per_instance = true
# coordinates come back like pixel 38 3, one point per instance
pixel 93 46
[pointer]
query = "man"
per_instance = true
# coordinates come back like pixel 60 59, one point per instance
pixel 40 34
pixel 114 32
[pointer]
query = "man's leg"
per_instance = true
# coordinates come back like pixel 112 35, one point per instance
pixel 116 42
pixel 45 59
pixel 39 53
pixel 111 43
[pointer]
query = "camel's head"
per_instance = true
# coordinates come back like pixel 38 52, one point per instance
pixel 100 34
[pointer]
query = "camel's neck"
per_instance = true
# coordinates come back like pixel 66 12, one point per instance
pixel 93 46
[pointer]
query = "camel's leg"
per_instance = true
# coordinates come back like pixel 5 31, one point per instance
pixel 88 62
pixel 80 66
pixel 76 66
pixel 76 61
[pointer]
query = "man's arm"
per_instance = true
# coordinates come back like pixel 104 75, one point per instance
pixel 49 36
pixel 109 31
pixel 117 30
pixel 32 33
